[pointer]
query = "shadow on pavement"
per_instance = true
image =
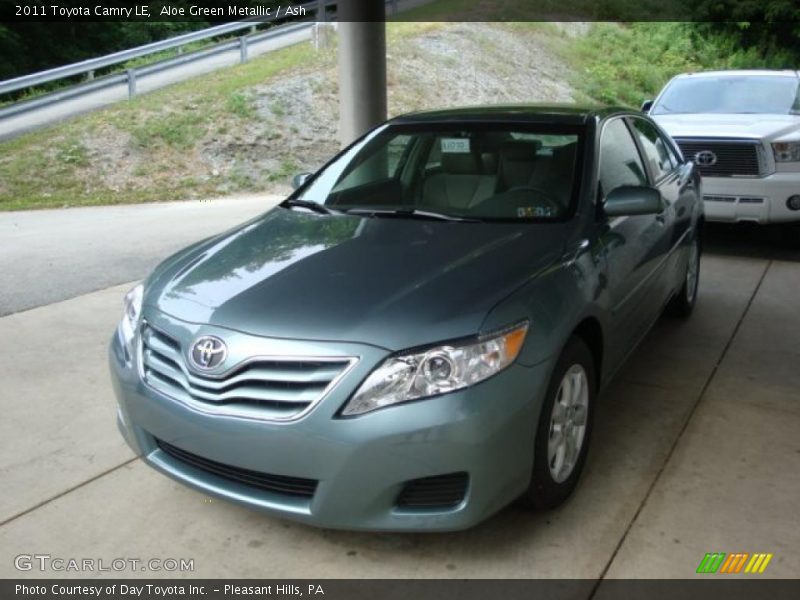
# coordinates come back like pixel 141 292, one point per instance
pixel 749 240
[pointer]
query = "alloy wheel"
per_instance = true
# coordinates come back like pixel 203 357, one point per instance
pixel 568 423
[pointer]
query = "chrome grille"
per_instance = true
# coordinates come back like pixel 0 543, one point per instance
pixel 269 388
pixel 734 157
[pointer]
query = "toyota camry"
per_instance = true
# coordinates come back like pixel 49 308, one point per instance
pixel 417 335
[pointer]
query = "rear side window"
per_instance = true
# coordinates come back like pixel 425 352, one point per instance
pixel 620 163
pixel 655 148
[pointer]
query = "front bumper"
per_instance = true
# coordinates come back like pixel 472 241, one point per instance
pixel 761 200
pixel 360 463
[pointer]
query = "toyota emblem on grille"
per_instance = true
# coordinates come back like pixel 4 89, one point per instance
pixel 705 158
pixel 208 352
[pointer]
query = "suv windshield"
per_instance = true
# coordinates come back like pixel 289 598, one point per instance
pixel 758 94
pixel 466 171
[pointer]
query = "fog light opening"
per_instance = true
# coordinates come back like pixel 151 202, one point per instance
pixel 793 203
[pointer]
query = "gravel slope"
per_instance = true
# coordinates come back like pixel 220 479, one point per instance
pixel 455 64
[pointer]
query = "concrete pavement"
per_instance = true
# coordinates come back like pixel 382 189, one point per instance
pixel 736 473
pixel 695 450
pixel 52 255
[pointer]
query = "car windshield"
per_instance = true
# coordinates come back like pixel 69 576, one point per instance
pixel 758 94
pixel 467 171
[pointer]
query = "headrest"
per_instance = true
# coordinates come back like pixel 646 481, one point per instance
pixel 460 163
pixel 520 150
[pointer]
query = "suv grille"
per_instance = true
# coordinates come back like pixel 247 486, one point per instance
pixel 733 157
pixel 267 388
pixel 439 491
pixel 277 484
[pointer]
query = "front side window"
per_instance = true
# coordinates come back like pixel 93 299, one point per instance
pixel 757 94
pixel 654 147
pixel 473 171
pixel 620 163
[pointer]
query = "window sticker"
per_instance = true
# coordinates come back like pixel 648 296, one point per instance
pixel 534 211
pixel 455 145
pixel 524 211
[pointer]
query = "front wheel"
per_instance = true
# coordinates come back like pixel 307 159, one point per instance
pixel 683 303
pixel 565 425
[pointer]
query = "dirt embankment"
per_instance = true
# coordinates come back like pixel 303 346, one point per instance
pixel 455 65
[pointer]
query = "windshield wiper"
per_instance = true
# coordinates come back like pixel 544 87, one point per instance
pixel 315 206
pixel 409 214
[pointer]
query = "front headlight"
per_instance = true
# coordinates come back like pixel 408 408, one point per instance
pixel 132 311
pixel 411 376
pixel 786 151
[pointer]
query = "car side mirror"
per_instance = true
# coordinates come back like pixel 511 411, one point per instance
pixel 631 200
pixel 646 106
pixel 299 179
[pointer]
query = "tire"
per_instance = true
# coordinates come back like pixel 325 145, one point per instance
pixel 682 304
pixel 550 485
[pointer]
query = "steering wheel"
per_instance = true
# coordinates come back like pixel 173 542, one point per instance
pixel 548 198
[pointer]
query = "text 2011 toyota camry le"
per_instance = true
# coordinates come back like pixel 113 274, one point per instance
pixel 417 335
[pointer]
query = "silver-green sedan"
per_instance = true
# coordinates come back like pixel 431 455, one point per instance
pixel 416 337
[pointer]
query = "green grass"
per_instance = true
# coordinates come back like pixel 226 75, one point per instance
pixel 51 167
pixel 240 105
pixel 287 169
pixel 179 130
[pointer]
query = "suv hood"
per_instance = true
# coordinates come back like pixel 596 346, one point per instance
pixel 761 127
pixel 390 282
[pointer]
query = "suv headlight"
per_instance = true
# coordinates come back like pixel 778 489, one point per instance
pixel 786 151
pixel 131 313
pixel 414 375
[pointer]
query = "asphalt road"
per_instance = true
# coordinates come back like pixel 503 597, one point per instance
pixel 51 255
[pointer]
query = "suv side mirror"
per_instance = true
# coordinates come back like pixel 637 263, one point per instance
pixel 299 179
pixel 631 200
pixel 646 106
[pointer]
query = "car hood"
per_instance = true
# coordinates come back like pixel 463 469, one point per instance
pixel 389 282
pixel 767 127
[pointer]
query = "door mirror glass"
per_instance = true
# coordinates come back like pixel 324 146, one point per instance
pixel 630 200
pixel 299 179
pixel 646 106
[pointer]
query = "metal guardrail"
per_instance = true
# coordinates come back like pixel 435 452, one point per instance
pixel 317 8
pixel 93 64
pixel 130 76
pixel 89 66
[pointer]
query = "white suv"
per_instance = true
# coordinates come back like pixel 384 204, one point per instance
pixel 742 130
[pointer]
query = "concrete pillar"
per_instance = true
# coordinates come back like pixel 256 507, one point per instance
pixel 362 67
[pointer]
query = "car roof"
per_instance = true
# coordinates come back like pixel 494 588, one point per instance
pixel 742 73
pixel 564 114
